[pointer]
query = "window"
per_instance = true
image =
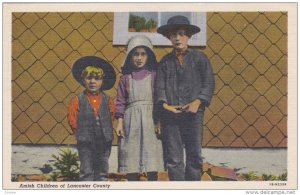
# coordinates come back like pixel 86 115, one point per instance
pixel 128 24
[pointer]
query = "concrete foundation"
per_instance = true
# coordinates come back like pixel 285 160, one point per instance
pixel 28 159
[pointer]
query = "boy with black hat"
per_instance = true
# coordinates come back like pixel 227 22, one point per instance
pixel 90 116
pixel 184 87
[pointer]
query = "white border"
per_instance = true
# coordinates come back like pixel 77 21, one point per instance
pixel 291 8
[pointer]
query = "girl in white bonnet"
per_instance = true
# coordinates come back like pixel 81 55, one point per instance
pixel 139 149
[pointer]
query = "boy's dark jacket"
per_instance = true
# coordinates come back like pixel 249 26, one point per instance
pixel 87 125
pixel 181 84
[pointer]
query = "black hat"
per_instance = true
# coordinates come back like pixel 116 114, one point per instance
pixel 109 73
pixel 177 22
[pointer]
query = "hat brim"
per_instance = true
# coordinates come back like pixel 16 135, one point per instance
pixel 109 73
pixel 166 29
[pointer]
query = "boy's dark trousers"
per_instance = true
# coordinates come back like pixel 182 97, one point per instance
pixel 94 159
pixel 179 132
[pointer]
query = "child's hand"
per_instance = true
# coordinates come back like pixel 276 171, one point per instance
pixel 73 131
pixel 174 109
pixel 119 132
pixel 192 106
pixel 119 129
pixel 157 129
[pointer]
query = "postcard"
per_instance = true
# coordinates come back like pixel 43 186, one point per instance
pixel 189 95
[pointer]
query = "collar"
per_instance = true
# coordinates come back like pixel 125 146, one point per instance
pixel 174 52
pixel 91 94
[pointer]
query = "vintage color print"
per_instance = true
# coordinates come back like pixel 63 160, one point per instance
pixel 250 132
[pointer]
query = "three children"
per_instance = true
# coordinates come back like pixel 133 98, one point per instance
pixel 181 89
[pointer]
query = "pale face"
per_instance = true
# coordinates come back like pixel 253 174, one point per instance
pixel 139 57
pixel 179 40
pixel 93 83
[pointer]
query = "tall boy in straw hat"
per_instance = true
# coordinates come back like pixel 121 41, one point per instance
pixel 184 87
pixel 90 116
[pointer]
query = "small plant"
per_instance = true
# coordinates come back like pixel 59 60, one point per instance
pixel 14 178
pixel 152 23
pixel 282 177
pixel 54 176
pixel 140 23
pixel 266 177
pixel 251 176
pixel 138 26
pixel 67 165
pixel 148 26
